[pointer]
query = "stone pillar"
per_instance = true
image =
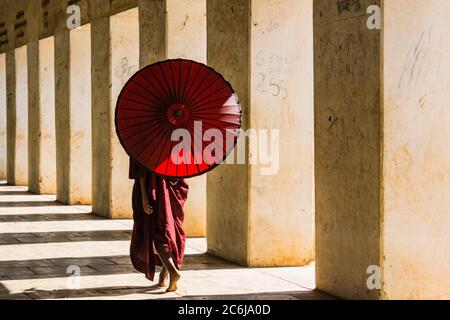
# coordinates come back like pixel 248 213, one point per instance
pixel 33 114
pixel 42 146
pixel 261 216
pixel 21 132
pixel 3 124
pixel 382 152
pixel 10 116
pixel 173 29
pixel 73 115
pixel 114 63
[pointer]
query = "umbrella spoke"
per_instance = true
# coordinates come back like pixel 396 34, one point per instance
pixel 161 97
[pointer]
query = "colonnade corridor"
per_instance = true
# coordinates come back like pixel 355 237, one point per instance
pixel 54 251
pixel 337 186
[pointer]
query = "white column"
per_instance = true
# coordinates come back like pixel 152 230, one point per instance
pixel 261 213
pixel 3 154
pixel 416 150
pixel 124 28
pixel 47 149
pixel 80 116
pixel 382 115
pixel 21 163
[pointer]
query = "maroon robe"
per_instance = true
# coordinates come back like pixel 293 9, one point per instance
pixel 167 197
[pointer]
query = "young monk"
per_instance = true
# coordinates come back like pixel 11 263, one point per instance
pixel 158 237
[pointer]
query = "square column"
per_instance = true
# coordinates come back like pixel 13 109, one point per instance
pixel 73 116
pixel 3 124
pixel 21 132
pixel 259 215
pixel 382 151
pixel 174 29
pixel 42 146
pixel 10 116
pixel 115 60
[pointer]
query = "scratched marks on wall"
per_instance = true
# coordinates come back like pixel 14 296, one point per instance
pixel 125 70
pixel 417 61
pixel 270 78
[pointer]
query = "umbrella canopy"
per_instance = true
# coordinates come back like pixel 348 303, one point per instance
pixel 178 118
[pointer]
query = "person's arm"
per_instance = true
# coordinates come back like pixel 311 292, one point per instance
pixel 145 200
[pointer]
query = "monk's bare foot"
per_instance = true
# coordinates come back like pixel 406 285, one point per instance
pixel 174 277
pixel 163 278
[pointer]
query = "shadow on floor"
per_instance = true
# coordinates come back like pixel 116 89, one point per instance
pixel 94 266
pixel 48 217
pixel 81 293
pixel 69 236
pixel 30 204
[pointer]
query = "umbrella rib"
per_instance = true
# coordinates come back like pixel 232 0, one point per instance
pixel 198 87
pixel 203 104
pixel 159 142
pixel 158 99
pixel 223 121
pixel 143 97
pixel 134 101
pixel 179 82
pixel 211 94
pixel 206 106
pixel 191 84
pixel 167 83
pixel 193 146
pixel 186 126
pixel 134 126
pixel 140 110
pixel 164 98
pixel 162 87
pixel 169 157
pixel 136 117
pixel 228 113
pixel 162 151
pixel 186 82
pixel 213 142
pixel 143 140
pixel 173 82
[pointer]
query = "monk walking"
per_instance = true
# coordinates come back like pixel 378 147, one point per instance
pixel 158 237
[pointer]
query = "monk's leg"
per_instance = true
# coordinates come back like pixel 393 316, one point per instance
pixel 167 260
pixel 163 277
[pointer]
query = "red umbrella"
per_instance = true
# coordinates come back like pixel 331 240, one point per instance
pixel 178 118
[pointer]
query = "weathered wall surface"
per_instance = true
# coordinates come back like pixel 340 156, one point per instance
pixel 416 149
pixel 227 185
pixel 10 116
pixel 101 117
pixel 21 134
pixel 260 215
pixel 3 124
pixel 47 139
pixel 34 116
pixel 80 116
pixel 281 198
pixel 124 63
pixel 62 125
pixel 347 148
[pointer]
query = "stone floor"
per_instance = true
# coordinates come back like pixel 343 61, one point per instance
pixel 44 246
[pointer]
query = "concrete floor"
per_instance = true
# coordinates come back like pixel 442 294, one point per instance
pixel 42 242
